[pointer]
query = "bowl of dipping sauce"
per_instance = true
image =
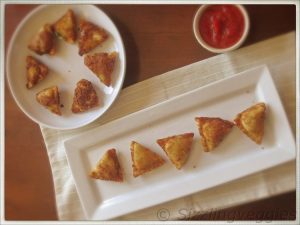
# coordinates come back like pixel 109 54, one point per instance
pixel 221 28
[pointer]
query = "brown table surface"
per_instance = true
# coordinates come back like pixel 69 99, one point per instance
pixel 157 38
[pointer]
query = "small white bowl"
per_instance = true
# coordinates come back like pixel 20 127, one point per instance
pixel 220 50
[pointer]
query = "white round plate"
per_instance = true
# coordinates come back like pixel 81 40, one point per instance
pixel 66 67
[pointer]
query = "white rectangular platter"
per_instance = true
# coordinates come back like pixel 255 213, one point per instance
pixel 235 157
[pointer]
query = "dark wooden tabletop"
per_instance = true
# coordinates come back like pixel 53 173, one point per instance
pixel 157 38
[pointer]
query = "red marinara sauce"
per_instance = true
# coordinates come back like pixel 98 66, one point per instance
pixel 221 26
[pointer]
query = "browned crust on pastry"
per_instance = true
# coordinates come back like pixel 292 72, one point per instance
pixel 108 167
pixel 65 27
pixel 85 97
pixel 43 41
pixel 257 119
pixel 212 131
pixel 102 65
pixel 150 159
pixel 49 98
pixel 90 36
pixel 36 71
pixel 180 157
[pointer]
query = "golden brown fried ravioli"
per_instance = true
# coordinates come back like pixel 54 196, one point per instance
pixel 251 122
pixel 212 131
pixel 36 71
pixel 143 159
pixel 43 41
pixel 49 98
pixel 177 148
pixel 108 167
pixel 102 65
pixel 65 27
pixel 85 97
pixel 90 36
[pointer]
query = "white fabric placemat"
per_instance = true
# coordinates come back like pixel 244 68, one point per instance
pixel 279 55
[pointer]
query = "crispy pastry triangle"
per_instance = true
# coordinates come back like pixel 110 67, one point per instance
pixel 43 41
pixel 85 96
pixel 36 71
pixel 90 36
pixel 102 65
pixel 212 131
pixel 251 122
pixel 108 167
pixel 65 27
pixel 143 159
pixel 177 148
pixel 49 98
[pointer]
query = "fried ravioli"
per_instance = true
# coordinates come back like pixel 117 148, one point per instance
pixel 49 98
pixel 43 41
pixel 251 122
pixel 108 167
pixel 212 131
pixel 102 65
pixel 85 97
pixel 65 27
pixel 177 148
pixel 90 36
pixel 143 159
pixel 36 71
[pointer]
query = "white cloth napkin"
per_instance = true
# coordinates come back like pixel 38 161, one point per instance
pixel 279 55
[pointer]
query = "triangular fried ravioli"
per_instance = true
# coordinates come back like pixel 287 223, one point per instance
pixel 143 159
pixel 212 131
pixel 177 148
pixel 102 65
pixel 85 96
pixel 36 71
pixel 43 41
pixel 251 122
pixel 90 36
pixel 65 27
pixel 49 98
pixel 108 167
